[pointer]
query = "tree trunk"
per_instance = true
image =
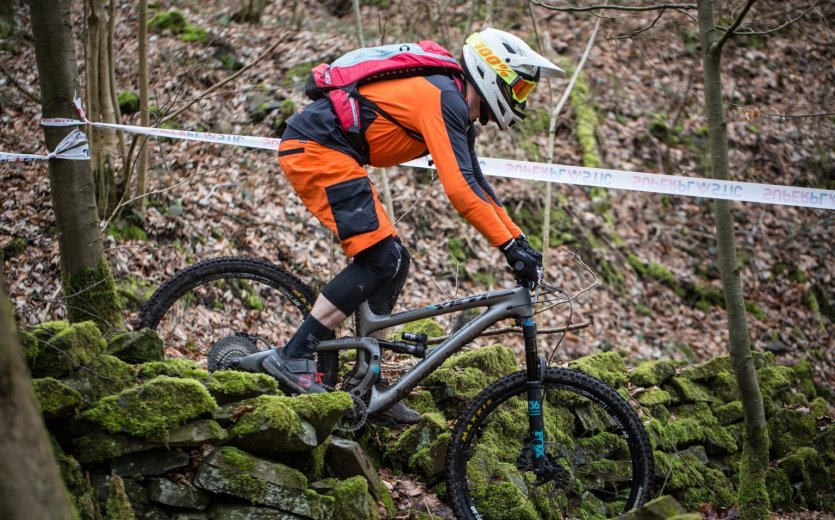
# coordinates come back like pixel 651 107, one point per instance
pixel 753 497
pixel 103 141
pixel 32 485
pixel 87 283
pixel 144 119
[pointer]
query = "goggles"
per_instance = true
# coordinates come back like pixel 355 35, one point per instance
pixel 520 87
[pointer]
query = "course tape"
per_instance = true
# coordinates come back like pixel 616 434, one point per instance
pixel 72 147
pixel 582 176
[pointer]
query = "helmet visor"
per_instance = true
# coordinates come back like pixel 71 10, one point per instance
pixel 520 87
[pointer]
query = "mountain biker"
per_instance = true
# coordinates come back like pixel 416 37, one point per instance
pixel 325 168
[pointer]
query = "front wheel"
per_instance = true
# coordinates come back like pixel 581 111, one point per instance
pixel 227 298
pixel 599 460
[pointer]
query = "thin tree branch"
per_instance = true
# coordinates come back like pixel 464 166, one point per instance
pixel 718 45
pixel 220 84
pixel 576 9
pixel 781 27
pixel 633 34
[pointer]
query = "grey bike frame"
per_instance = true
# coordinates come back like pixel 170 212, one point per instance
pixel 510 303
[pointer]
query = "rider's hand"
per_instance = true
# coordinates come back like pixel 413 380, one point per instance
pixel 527 268
pixel 522 240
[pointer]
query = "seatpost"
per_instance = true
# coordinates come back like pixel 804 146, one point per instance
pixel 534 386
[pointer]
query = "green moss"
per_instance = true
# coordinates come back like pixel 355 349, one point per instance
pixel 13 248
pixel 605 366
pixel 55 399
pixel 174 21
pixel 323 411
pixel 270 412
pixel 804 374
pixel 729 413
pixel 72 347
pixel 298 73
pixel 151 409
pixel 790 430
pixel 680 433
pixel 91 295
pixel 180 367
pixel 417 437
pixel 779 488
pixel 137 347
pixel 122 231
pixel 775 379
pixel 105 375
pixel 128 102
pixel 505 501
pixel 36 338
pixel 117 506
pixel 239 477
pixel 77 484
pixel 724 387
pixel 654 397
pixel 229 385
pixel 352 500
pixel 421 400
pixel 426 326
pixel 820 408
pixel 686 390
pixel 652 373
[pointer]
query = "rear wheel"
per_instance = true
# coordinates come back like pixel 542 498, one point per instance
pixel 231 297
pixel 599 461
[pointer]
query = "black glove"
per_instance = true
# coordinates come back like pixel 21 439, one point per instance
pixel 522 240
pixel 527 268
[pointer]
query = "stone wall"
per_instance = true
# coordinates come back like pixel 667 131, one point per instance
pixel 140 437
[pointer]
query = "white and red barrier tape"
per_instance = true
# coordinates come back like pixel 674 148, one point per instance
pixel 73 147
pixel 598 177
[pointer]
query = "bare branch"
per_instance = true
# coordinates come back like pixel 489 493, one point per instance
pixel 576 9
pixel 633 34
pixel 735 25
pixel 781 27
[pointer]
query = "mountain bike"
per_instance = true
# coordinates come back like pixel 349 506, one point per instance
pixel 543 442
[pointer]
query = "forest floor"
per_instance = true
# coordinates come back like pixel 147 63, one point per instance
pixel 646 91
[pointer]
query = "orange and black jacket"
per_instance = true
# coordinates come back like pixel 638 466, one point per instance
pixel 435 108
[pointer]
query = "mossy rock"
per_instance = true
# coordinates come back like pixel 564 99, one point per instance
pixel 804 372
pixel 105 375
pixel 729 413
pixel 35 339
pixel 353 501
pixel 661 508
pixel 426 326
pixel 128 102
pixel 182 368
pixel 417 437
pixel 56 400
pixel 652 373
pixel 679 433
pixel 790 430
pixel 775 380
pixel 421 401
pixel 724 387
pixel 277 425
pixel 464 375
pixel 228 386
pixel 234 472
pixel 118 505
pixel 323 411
pixel 72 347
pixel 693 483
pixel 605 366
pixel 826 442
pixel 81 493
pixel 429 462
pixel 808 471
pixel 686 391
pixel 151 409
pixel 654 397
pixel 710 368
pixel 137 347
pixel 780 491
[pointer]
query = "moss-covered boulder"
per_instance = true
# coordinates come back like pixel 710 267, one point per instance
pixel 228 386
pixel 271 428
pixel 464 375
pixel 178 367
pixel 78 485
pixel 775 380
pixel 686 391
pixel 137 346
pixel 34 339
pixel 105 375
pixel 322 411
pixel 652 373
pixel 426 326
pixel 56 399
pixel 791 429
pixel 151 409
pixel 234 472
pixel 353 500
pixel 661 508
pixel 605 366
pixel 70 347
pixel 417 438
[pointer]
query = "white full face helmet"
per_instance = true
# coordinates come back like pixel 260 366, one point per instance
pixel 504 70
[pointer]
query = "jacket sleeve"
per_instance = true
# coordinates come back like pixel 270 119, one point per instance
pixel 444 126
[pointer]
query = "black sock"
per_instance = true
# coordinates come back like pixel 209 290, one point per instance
pixel 307 338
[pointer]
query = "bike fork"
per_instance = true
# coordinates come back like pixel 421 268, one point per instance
pixel 535 368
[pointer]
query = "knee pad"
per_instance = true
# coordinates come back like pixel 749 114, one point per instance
pixel 384 258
